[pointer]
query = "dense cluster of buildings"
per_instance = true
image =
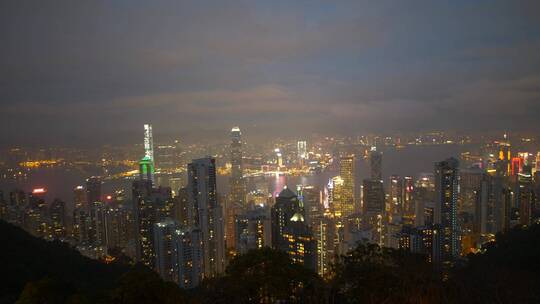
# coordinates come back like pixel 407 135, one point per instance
pixel 189 234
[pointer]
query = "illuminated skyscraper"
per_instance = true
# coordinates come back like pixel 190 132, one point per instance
pixel 164 244
pixel 302 152
pixel 236 202
pixel 347 195
pixel 146 169
pixel 524 195
pixel 287 204
pixel 178 253
pixel 375 160
pixel 373 206
pixel 396 198
pixel 208 214
pixel 93 189
pixel 538 162
pixel 253 230
pixel 148 142
pixel 446 195
pixel 57 215
pixel 408 203
pixel 324 230
pixel 238 188
pixel 35 216
pixel 505 154
pixel 299 243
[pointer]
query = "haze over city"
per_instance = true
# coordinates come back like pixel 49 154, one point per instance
pixel 71 70
pixel 269 152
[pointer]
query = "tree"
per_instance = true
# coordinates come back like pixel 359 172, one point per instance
pixel 371 274
pixel 264 276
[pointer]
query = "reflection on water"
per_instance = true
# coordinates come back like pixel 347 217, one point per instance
pixel 411 160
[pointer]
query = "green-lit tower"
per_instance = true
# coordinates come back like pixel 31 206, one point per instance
pixel 146 168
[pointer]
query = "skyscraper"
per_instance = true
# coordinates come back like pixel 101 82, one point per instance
pixel 146 169
pixel 287 204
pixel 148 142
pixel 57 215
pixel 447 246
pixel 301 152
pixel 253 230
pixel 299 243
pixel 373 200
pixel 93 189
pixel 236 202
pixel 347 195
pixel 178 253
pixel 164 244
pixel 375 160
pixel 208 214
pixel 238 188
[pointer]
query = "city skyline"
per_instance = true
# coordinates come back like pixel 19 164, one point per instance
pixel 261 151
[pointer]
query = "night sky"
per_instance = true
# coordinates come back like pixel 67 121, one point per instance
pixel 92 72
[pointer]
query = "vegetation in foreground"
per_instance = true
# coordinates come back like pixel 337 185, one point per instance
pixel 38 271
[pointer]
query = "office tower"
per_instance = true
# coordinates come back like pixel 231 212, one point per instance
pixel 336 204
pixel 79 228
pixel 408 203
pixel 516 166
pixel 150 205
pixel 165 249
pixel 469 185
pixel 16 205
pixel 178 253
pixel 299 243
pixel 93 213
pixel 424 200
pixel 524 195
pixel 373 200
pixel 237 183
pixel 148 142
pixel 287 205
pixel 57 215
pixel 208 214
pixel 146 169
pixel 505 155
pixel 145 217
pixel 418 240
pixel 324 230
pixel 118 226
pixel 347 195
pixel 375 160
pixel 236 202
pixel 279 157
pixel 446 194
pixel 35 216
pixel 302 155
pixel 396 195
pixel 486 206
pixel 189 257
pixel 537 162
pixel 183 211
pixel 311 202
pixel 253 230
pixel 79 197
pixel 93 189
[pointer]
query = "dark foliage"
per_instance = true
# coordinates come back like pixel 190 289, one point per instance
pixel 38 271
pixel 507 272
pixel 26 259
pixel 371 274
pixel 263 276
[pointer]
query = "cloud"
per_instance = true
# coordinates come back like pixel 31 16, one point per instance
pixel 73 69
